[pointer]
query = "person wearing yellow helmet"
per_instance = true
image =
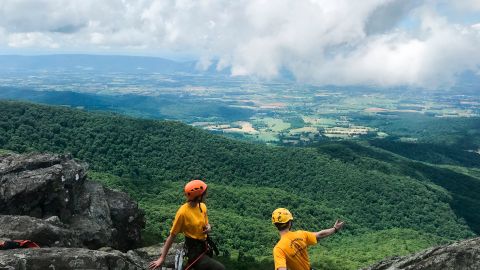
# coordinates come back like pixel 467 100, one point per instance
pixel 192 220
pixel 290 252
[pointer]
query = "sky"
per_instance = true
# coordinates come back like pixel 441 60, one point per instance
pixel 422 43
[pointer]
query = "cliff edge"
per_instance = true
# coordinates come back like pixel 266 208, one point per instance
pixel 461 255
pixel 48 199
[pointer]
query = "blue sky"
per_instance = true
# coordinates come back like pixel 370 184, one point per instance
pixel 383 42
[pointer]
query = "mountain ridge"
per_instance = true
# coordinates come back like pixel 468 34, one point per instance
pixel 96 63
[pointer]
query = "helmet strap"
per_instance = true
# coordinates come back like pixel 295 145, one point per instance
pixel 200 199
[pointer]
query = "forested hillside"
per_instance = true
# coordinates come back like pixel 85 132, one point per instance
pixel 392 205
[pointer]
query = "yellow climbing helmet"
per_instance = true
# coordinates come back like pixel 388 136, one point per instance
pixel 281 215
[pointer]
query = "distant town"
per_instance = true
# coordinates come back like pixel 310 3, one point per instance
pixel 280 112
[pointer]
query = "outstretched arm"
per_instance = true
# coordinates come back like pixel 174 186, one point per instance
pixel 166 247
pixel 327 232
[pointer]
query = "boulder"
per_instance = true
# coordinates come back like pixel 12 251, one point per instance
pixel 127 220
pixel 151 253
pixel 39 185
pixel 92 218
pixel 66 258
pixel 45 185
pixel 47 233
pixel 107 218
pixel 461 255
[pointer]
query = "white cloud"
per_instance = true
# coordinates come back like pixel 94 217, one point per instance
pixel 467 5
pixel 430 60
pixel 335 42
pixel 30 39
pixel 2 35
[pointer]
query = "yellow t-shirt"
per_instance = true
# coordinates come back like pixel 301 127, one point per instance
pixel 291 250
pixel 190 221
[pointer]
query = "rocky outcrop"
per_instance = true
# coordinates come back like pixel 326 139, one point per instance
pixel 47 198
pixel 462 255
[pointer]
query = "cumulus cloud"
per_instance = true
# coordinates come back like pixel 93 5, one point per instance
pixel 382 42
pixel 466 5
pixel 30 39
pixel 431 59
pixel 387 16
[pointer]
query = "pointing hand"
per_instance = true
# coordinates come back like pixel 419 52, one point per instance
pixel 338 224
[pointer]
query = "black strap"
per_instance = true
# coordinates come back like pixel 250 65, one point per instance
pixel 212 245
pixel 10 245
pixel 196 249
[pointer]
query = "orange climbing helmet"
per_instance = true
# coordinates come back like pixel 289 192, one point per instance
pixel 194 189
pixel 281 215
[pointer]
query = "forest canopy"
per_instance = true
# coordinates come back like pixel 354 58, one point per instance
pixel 382 196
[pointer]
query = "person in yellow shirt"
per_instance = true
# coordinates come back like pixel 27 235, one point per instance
pixel 291 250
pixel 192 220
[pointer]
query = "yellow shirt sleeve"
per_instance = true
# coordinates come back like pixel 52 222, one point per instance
pixel 178 222
pixel 279 258
pixel 310 238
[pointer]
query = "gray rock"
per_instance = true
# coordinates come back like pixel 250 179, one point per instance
pixel 151 253
pixel 462 255
pixel 65 258
pixel 46 233
pixel 39 185
pixel 44 186
pixel 107 218
pixel 92 218
pixel 12 163
pixel 127 219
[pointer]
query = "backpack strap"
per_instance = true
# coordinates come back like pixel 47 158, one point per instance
pixel 212 245
pixel 26 244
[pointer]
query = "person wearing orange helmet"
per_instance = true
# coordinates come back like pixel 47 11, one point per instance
pixel 291 250
pixel 192 220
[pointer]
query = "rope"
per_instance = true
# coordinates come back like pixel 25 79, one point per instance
pixel 198 258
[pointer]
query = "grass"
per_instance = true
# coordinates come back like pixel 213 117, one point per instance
pixel 275 124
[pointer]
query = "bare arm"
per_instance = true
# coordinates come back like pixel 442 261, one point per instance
pixel 207 229
pixel 327 232
pixel 165 249
pixel 282 268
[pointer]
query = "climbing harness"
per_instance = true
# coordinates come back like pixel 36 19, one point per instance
pixel 179 255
